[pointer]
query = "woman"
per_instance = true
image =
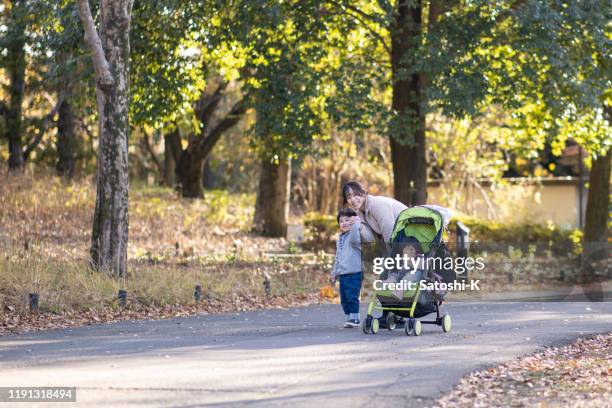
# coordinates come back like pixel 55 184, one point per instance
pixel 377 212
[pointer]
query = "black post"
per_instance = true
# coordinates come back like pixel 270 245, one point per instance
pixel 33 302
pixel 463 235
pixel 267 284
pixel 463 243
pixel 197 294
pixel 122 297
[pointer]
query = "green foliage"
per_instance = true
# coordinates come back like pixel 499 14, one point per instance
pixel 284 47
pixel 464 151
pixel 56 67
pixel 313 68
pixel 167 60
pixel 491 232
pixel 548 62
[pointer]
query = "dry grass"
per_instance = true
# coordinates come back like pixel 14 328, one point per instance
pixel 45 227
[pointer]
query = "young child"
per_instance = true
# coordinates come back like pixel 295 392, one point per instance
pixel 347 266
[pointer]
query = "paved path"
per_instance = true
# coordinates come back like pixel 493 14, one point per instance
pixel 297 357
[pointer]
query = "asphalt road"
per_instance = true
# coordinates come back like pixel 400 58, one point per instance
pixel 297 357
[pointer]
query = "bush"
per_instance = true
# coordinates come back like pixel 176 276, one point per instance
pixel 489 231
pixel 321 231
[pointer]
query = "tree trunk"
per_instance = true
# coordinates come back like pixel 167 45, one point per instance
pixel 209 179
pixel 67 145
pixel 272 205
pixel 110 50
pixel 408 149
pixel 16 66
pixel 598 198
pixel 191 164
pixel 169 163
pixel 595 242
pixel 172 155
pixel 598 201
pixel 189 174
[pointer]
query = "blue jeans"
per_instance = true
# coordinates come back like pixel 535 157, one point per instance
pixel 350 287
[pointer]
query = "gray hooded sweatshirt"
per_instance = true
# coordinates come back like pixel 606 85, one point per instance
pixel 348 252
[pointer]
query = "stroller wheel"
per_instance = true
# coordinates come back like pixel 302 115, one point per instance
pixel 446 323
pixel 367 325
pixel 375 326
pixel 391 321
pixel 413 327
pixel 417 328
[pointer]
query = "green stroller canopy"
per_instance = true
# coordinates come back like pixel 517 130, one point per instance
pixel 420 222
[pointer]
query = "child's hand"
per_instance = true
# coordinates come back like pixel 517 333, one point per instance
pixel 354 220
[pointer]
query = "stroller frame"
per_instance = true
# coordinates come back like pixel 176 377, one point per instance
pixel 371 324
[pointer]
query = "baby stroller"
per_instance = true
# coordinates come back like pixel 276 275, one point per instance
pixel 417 227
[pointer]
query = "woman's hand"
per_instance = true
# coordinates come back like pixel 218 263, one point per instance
pixel 354 219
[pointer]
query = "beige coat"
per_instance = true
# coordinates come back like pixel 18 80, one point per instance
pixel 379 215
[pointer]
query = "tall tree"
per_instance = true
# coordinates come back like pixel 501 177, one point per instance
pixel 400 28
pixel 69 79
pixel 565 70
pixel 40 44
pixel 184 93
pixel 597 218
pixel 286 46
pixel 15 42
pixel 110 49
pixel 596 229
pixel 190 163
pixel 459 57
pixel 408 149
pixel 67 140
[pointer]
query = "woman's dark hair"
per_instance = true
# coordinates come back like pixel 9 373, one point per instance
pixel 355 187
pixel 345 212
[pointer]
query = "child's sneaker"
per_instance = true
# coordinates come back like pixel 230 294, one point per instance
pixel 351 323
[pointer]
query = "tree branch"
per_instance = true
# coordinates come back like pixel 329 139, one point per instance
pixel 46 120
pixel 361 17
pixel 363 14
pixel 104 78
pixel 207 104
pixel 3 108
pixel 238 110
